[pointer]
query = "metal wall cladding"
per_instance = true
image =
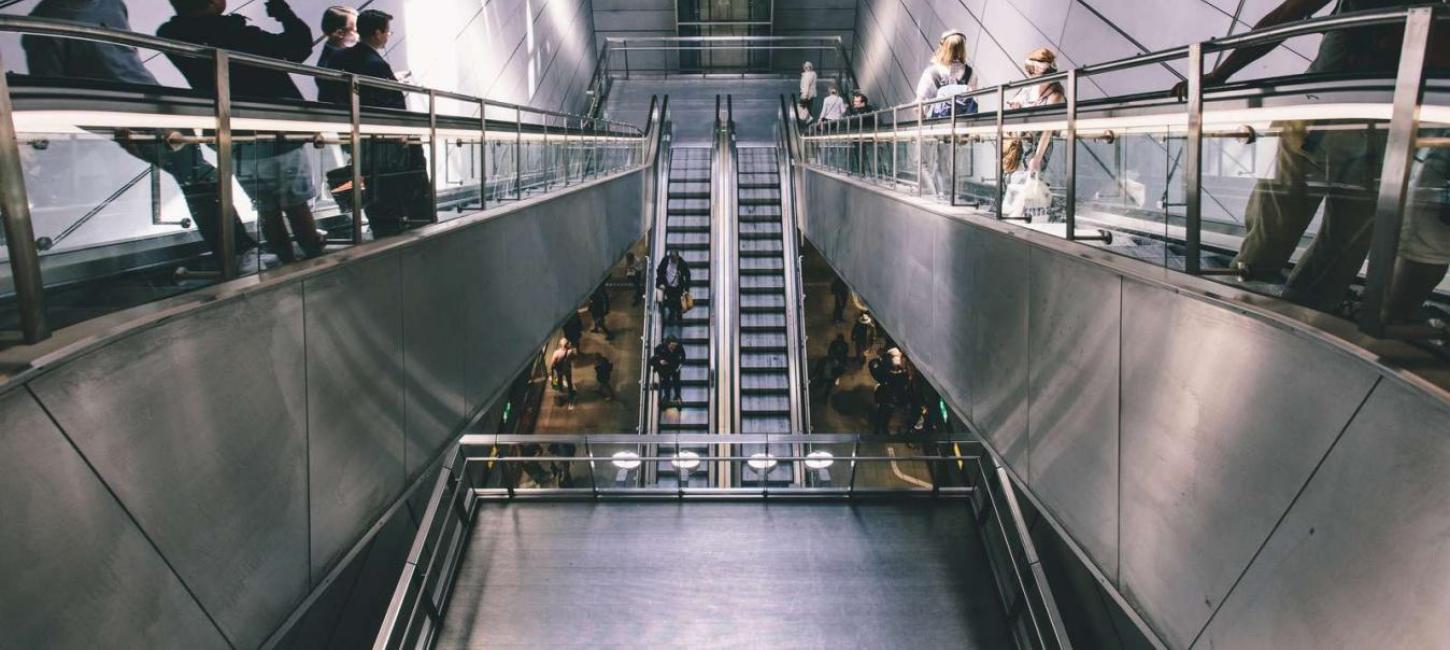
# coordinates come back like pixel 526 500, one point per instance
pixel 355 401
pixel 1196 454
pixel 1362 560
pixel 436 333
pixel 1224 419
pixel 998 365
pixel 199 426
pixel 77 571
pixel 1073 324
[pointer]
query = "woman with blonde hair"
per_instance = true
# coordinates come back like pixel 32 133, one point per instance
pixel 808 89
pixel 1040 62
pixel 947 75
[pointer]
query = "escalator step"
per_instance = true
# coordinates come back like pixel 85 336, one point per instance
pixel 759 301
pixel 762 283
pixel 694 373
pixel 685 416
pixel 764 381
pixel 759 321
pixel 687 223
pixel 695 257
pixel 759 246
pixel 688 239
pixel 765 404
pixel 750 229
pixel 762 360
pixel 765 424
pixel 762 340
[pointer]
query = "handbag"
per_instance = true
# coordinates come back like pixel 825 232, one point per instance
pixel 687 302
pixel 339 185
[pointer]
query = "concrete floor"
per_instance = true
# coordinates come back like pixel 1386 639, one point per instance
pixel 880 574
pixel 591 413
pixel 851 401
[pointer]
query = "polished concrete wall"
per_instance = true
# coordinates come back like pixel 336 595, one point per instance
pixel 187 483
pixel 895 39
pixel 1240 481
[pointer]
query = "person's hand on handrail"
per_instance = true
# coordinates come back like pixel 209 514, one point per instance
pixel 1287 11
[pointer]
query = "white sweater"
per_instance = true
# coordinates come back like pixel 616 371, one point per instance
pixel 808 84
pixel 833 108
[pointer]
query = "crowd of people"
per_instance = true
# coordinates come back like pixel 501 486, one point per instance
pixel 898 394
pixel 276 174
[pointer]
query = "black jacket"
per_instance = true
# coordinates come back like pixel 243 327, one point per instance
pixel 330 92
pixel 599 303
pixel 363 60
pixel 684 275
pixel 232 32
pixel 666 362
pixel 838 350
pixel 864 122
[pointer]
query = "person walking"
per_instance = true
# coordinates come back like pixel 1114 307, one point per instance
pixel 948 74
pixel 833 107
pixel 276 173
pixel 836 355
pixel 863 333
pixel 634 272
pixel 842 295
pixel 807 89
pixel 885 405
pixel 669 357
pixel 603 376
pixel 396 187
pixel 672 278
pixel 339 25
pixel 1323 164
pixel 68 58
pixel 561 365
pixel 1040 62
pixel 574 331
pixel 598 309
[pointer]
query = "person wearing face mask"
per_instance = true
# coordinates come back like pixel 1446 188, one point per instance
pixel 1040 62
pixel 339 24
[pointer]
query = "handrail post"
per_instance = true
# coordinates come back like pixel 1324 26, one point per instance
pixel 895 134
pixel 624 45
pixel 920 150
pixel 483 154
pixel 548 154
pixel 355 115
pixel 1399 162
pixel 518 153
pixel 1001 146
pixel 876 147
pixel 19 230
pixel 952 151
pixel 226 232
pixel 1070 210
pixel 433 150
pixel 1193 163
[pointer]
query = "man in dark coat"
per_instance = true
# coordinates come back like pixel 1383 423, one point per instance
pixel 673 279
pixel 67 58
pixel 598 309
pixel 667 360
pixel 339 24
pixel 842 294
pixel 395 176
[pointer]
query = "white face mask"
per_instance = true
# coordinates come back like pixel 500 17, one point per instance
pixel 349 39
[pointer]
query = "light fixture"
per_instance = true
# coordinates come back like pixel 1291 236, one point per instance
pixel 625 460
pixel 761 461
pixel 686 460
pixel 820 459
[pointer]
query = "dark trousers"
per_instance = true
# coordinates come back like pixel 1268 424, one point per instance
pixel 670 385
pixel 673 307
pixel 600 325
pixel 838 314
pixel 198 181
pixel 396 193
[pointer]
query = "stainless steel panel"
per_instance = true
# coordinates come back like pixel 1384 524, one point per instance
pixel 198 426
pixel 1224 418
pixel 953 312
pixel 355 401
pixel 77 571
pixel 998 366
pixel 1073 320
pixel 436 330
pixel 1361 560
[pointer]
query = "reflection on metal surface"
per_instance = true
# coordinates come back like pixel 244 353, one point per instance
pixel 625 460
pixel 686 459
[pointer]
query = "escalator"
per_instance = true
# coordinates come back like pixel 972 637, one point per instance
pixel 765 384
pixel 687 229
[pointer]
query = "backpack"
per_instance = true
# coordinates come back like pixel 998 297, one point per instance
pixel 965 105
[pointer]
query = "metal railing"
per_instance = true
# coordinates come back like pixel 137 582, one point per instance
pixel 934 147
pixel 652 331
pixel 719 56
pixel 795 295
pixel 833 466
pixel 504 133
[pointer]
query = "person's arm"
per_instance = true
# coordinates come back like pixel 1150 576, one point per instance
pixel 293 44
pixel 1288 11
pixel 1044 142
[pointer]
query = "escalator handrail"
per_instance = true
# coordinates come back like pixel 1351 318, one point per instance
pixel 794 286
pixel 652 330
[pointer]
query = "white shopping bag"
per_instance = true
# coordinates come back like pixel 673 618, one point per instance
pixel 1025 191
